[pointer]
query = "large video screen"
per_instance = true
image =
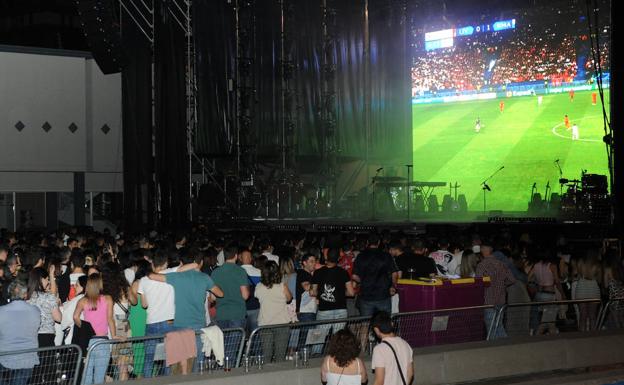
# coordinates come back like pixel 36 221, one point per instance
pixel 511 94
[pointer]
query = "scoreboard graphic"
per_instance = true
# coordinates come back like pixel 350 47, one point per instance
pixel 445 38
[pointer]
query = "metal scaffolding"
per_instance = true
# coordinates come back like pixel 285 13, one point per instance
pixel 141 12
pixel 328 102
pixel 246 138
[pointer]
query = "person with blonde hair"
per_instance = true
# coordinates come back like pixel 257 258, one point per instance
pixel 588 287
pixel 469 262
pixel 97 310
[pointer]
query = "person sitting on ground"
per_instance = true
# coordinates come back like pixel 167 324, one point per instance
pixel 342 365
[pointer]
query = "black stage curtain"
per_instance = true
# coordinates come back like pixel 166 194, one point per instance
pixel 137 126
pixel 390 138
pixel 172 165
pixel 215 56
pixel 617 120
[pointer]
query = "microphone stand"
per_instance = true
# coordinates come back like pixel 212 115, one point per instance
pixel 560 176
pixel 486 188
pixel 409 180
pixel 374 183
pixel 546 199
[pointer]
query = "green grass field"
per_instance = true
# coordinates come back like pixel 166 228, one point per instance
pixel 525 138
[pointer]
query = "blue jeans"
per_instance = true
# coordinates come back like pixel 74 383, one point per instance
pixel 252 320
pixel 157 328
pixel 369 308
pixel 99 356
pixel 14 376
pixel 490 314
pixel 300 334
pixel 325 315
pixel 231 340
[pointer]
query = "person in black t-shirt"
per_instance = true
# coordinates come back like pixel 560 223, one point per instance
pixel 331 285
pixel 377 275
pixel 413 265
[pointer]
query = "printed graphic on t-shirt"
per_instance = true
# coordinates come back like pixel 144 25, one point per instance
pixel 328 293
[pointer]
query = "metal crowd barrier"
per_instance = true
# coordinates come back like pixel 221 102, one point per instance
pixel 139 357
pixel 612 315
pixel 277 343
pixel 552 317
pixel 144 357
pixel 52 365
pixel 445 326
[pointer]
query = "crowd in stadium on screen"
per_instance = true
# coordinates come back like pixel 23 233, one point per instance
pixel 528 53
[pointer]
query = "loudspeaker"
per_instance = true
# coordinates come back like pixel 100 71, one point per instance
pixel 101 29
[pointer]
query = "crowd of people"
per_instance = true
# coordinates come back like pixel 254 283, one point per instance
pixel 532 57
pixel 83 286
pixel 448 69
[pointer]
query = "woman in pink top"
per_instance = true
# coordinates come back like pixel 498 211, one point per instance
pixel 97 310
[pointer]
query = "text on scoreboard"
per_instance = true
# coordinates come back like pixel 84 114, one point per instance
pixel 444 38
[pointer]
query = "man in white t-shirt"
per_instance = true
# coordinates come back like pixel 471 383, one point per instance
pixel 158 299
pixel 446 263
pixel 389 352
pixel 267 251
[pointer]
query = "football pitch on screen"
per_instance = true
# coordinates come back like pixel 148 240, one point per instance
pixel 526 138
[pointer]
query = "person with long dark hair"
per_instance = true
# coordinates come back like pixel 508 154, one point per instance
pixel 273 295
pixel 342 365
pixel 41 284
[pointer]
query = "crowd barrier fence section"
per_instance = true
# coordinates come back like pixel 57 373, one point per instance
pixel 546 317
pixel 145 357
pixel 139 357
pixel 612 315
pixel 58 365
pixel 276 343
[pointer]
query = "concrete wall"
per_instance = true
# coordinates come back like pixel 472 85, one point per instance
pixel 449 364
pixel 67 93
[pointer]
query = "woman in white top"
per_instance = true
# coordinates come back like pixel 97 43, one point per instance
pixel 342 366
pixel 273 296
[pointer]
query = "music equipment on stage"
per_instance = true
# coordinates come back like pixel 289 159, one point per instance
pixel 584 199
pixel 390 195
pixel 388 179
pixel 594 184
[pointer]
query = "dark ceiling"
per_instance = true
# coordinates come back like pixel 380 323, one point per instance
pixel 41 23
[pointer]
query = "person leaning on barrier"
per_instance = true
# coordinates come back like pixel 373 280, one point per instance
pixel 14 336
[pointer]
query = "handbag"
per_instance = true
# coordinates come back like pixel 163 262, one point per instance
pixel 397 361
pixel 82 335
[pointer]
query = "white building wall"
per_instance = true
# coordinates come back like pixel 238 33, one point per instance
pixel 61 90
